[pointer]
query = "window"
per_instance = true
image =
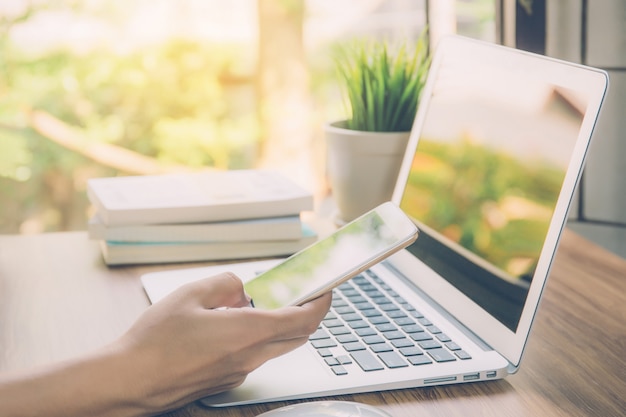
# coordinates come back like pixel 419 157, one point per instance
pixel 131 87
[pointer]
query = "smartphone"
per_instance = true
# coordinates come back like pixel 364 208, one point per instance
pixel 320 267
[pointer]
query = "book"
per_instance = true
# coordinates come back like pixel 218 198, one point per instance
pixel 196 197
pixel 127 253
pixel 269 228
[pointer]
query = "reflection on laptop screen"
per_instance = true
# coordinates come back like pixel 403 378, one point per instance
pixel 492 155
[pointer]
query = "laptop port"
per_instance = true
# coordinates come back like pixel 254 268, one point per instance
pixel 491 374
pixel 471 377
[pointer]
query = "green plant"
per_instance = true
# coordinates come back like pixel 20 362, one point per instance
pixel 382 85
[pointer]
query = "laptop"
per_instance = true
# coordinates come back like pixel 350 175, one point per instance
pixel 496 150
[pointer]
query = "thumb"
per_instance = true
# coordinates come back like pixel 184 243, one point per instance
pixel 222 290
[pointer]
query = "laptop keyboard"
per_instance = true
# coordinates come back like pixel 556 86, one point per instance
pixel 371 325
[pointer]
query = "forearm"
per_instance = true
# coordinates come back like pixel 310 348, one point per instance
pixel 94 385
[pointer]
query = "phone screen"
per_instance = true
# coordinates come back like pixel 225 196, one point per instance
pixel 332 260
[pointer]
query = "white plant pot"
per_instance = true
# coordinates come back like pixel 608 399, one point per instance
pixel 362 167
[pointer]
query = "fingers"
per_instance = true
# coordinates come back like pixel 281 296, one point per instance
pixel 298 321
pixel 222 290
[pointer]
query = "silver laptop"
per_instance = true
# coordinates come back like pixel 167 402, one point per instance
pixel 497 148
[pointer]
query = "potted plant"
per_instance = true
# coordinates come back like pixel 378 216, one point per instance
pixel 382 86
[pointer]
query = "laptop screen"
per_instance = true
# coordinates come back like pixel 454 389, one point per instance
pixel 494 147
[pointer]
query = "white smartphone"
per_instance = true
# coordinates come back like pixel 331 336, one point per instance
pixel 327 263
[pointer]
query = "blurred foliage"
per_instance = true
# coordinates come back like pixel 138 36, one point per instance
pixel 181 102
pixel 488 202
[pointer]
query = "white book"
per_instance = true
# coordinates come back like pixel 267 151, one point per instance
pixel 127 253
pixel 269 228
pixel 196 197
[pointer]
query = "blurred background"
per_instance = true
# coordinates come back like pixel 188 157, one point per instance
pixel 92 88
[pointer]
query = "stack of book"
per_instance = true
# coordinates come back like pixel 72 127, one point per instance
pixel 215 215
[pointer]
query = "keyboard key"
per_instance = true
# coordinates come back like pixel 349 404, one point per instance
pixel 421 336
pixel 386 327
pixel 413 328
pixel 441 355
pixel 424 321
pixel 381 347
pixel 354 346
pixel 332 323
pixel 358 324
pixel 382 300
pixel 371 313
pixel 396 314
pixel 379 320
pixel 336 331
pixel 356 299
pixel 443 338
pixel 388 307
pixel 319 334
pixel 331 361
pixel 365 331
pixel 433 329
pixel 419 360
pixel 344 310
pixel 339 370
pixel 429 344
pixel 350 293
pixel 338 302
pixel 323 343
pixel 351 316
pixel 366 361
pixel 404 321
pixel 373 339
pixel 346 338
pixel 392 360
pixel 411 351
pixel 364 306
pixel 453 346
pixel 394 335
pixel 324 352
pixel 417 314
pixel 462 355
pixel 402 343
pixel 344 359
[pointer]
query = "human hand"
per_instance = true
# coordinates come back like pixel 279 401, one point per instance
pixel 184 348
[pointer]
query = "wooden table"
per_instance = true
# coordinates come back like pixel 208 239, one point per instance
pixel 58 299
